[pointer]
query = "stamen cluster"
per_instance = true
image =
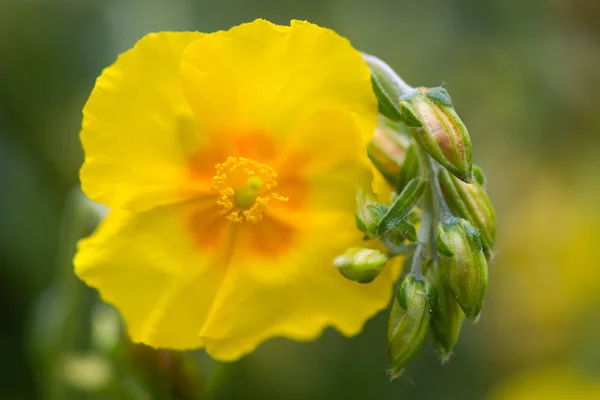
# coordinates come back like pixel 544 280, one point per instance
pixel 245 189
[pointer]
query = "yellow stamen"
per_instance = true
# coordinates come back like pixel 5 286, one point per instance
pixel 245 189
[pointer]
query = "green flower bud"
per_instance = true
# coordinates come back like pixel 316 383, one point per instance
pixel 432 121
pixel 409 320
pixel 463 262
pixel 471 202
pixel 388 149
pixel 368 214
pixel 360 264
pixel 447 317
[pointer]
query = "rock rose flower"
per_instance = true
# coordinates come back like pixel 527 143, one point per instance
pixel 230 163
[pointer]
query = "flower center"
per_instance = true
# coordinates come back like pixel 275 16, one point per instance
pixel 245 189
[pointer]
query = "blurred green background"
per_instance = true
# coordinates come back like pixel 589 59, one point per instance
pixel 525 78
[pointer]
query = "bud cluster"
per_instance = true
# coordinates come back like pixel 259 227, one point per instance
pixel 423 150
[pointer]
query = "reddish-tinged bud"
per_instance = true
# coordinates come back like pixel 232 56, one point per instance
pixel 433 122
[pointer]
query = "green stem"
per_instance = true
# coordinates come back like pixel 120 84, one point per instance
pixel 427 218
pixel 423 237
pixel 439 204
pixel 402 250
pixel 434 206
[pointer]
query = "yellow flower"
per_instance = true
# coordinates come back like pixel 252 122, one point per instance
pixel 230 163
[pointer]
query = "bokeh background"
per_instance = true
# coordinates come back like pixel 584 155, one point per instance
pixel 525 78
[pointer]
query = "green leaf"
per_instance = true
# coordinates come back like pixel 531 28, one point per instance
pixel 360 223
pixel 377 210
pixel 386 87
pixel 386 98
pixel 404 203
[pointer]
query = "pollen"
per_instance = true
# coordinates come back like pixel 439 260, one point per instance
pixel 245 189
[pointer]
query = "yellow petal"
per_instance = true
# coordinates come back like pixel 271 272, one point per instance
pixel 381 187
pixel 266 77
pixel 137 127
pixel 151 267
pixel 291 288
pixel 326 153
pixel 295 295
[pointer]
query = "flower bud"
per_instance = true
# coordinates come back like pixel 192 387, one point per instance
pixel 368 213
pixel 360 264
pixel 432 121
pixel 387 150
pixel 471 202
pixel 463 262
pixel 409 320
pixel 447 316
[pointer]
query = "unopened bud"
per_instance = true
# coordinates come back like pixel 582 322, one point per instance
pixel 433 122
pixel 387 150
pixel 361 264
pixel 463 262
pixel 471 202
pixel 409 321
pixel 368 213
pixel 447 317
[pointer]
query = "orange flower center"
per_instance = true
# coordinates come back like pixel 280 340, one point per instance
pixel 245 189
